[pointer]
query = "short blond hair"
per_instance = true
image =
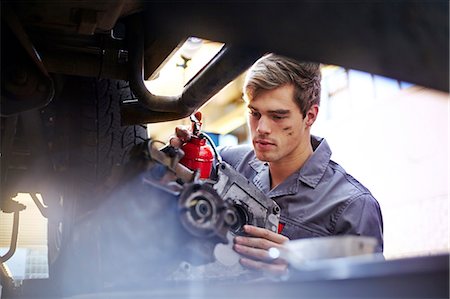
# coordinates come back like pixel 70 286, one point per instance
pixel 272 71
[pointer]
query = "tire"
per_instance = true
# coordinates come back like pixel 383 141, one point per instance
pixel 87 143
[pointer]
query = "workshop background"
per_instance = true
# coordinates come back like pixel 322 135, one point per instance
pixel 390 135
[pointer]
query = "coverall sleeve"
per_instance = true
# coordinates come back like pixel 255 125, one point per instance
pixel 362 217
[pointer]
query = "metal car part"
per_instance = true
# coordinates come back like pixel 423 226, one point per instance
pixel 398 40
pixel 202 211
pixel 229 63
pixel 213 207
pixel 247 204
pixel 25 82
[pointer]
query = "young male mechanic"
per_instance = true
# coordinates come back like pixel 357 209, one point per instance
pixel 316 196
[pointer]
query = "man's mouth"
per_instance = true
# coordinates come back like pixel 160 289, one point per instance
pixel 264 143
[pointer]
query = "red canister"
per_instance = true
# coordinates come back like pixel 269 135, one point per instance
pixel 198 154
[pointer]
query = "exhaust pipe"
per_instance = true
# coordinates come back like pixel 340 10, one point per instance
pixel 228 64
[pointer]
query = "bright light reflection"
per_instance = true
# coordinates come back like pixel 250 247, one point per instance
pixel 192 56
pixel 274 253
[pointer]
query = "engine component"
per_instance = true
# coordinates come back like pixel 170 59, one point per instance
pixel 246 203
pixel 210 208
pixel 202 211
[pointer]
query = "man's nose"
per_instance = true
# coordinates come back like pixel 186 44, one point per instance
pixel 263 126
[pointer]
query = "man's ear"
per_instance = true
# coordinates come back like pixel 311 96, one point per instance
pixel 311 115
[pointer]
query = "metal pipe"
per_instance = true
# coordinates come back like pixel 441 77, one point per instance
pixel 136 72
pixel 228 64
pixel 14 234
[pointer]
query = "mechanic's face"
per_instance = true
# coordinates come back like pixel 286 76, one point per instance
pixel 280 133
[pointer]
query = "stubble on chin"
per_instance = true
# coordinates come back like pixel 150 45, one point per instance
pixel 263 157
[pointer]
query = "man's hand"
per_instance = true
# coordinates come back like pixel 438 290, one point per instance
pixel 182 135
pixel 255 249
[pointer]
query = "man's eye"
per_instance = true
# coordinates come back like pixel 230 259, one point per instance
pixel 254 114
pixel 277 117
